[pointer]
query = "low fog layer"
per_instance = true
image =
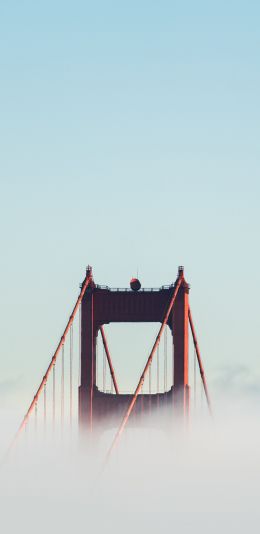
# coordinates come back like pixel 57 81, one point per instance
pixel 202 478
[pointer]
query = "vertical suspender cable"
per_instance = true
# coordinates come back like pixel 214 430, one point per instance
pixel 71 373
pixel 172 361
pixel 150 386
pixel 88 280
pixel 150 380
pixel 158 373
pixel 97 360
pixel 44 407
pixel 195 378
pixel 35 412
pixel 62 387
pixel 104 369
pixel 166 350
pixel 165 360
pixel 79 377
pixel 53 396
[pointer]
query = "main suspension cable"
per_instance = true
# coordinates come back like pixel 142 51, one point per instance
pixel 202 373
pixel 85 284
pixel 109 361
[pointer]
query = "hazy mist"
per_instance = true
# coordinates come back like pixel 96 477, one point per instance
pixel 200 478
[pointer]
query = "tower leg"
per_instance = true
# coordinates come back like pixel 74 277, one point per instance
pixel 88 363
pixel 180 327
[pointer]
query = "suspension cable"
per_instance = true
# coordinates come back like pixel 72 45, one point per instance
pixel 36 418
pixel 79 366
pixel 158 369
pixel 129 410
pixel 109 360
pixel 158 374
pixel 86 283
pixel 97 360
pixel 62 387
pixel 165 361
pixel 53 397
pixel 104 369
pixel 194 378
pixel 150 386
pixel 44 407
pixel 172 361
pixel 71 373
pixel 202 373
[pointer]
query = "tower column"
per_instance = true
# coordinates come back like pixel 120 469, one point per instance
pixel 88 361
pixel 180 327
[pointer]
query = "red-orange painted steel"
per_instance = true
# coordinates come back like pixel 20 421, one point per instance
pixel 148 363
pixel 180 328
pixel 112 372
pixel 54 358
pixel 181 337
pixel 202 372
pixel 102 305
pixel 88 359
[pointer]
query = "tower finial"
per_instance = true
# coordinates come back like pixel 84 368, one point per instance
pixel 89 270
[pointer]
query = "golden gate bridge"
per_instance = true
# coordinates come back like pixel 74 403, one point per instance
pixel 97 407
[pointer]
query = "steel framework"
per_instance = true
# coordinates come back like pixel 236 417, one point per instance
pixel 101 305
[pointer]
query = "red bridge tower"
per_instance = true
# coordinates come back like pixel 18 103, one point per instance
pixel 102 305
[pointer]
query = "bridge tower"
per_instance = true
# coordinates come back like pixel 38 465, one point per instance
pixel 102 305
pixel 97 410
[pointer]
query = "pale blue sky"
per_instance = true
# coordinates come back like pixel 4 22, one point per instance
pixel 129 138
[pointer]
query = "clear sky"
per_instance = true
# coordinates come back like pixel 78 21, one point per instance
pixel 129 139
